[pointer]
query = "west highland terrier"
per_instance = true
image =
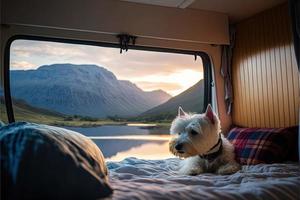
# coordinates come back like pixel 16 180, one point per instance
pixel 198 139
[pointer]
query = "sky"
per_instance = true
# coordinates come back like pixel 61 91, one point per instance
pixel 149 70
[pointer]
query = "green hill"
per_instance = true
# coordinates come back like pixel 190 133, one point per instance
pixel 25 112
pixel 191 100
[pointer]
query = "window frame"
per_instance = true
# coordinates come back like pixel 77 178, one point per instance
pixel 206 61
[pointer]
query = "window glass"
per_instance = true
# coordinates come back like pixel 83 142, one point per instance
pixel 124 102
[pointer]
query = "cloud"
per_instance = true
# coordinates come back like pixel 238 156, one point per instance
pixel 139 63
pixel 21 65
pixel 50 49
pixel 21 52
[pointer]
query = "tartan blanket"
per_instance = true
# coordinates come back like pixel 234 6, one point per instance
pixel 264 145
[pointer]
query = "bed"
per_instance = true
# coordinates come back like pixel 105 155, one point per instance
pixel 131 178
pixel 134 178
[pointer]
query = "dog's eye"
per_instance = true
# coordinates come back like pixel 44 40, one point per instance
pixel 193 132
pixel 179 133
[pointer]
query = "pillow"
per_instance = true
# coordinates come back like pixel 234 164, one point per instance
pixel 45 162
pixel 264 145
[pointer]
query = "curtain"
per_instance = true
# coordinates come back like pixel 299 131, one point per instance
pixel 226 68
pixel 294 6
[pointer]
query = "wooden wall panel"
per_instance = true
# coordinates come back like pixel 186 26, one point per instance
pixel 265 73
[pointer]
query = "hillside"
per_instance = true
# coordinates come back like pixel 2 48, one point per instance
pixel 191 100
pixel 23 111
pixel 86 90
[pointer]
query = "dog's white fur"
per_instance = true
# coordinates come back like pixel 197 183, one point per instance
pixel 207 127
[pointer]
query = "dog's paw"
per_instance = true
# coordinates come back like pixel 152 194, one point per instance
pixel 229 169
pixel 191 171
pixel 195 172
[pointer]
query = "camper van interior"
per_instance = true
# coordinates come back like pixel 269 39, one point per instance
pixel 149 99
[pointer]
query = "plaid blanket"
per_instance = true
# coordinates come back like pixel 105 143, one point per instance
pixel 264 145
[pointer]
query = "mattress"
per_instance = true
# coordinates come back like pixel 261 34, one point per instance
pixel 134 178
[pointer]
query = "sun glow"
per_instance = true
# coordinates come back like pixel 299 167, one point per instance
pixel 184 78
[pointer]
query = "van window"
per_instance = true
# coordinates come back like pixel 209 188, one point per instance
pixel 124 102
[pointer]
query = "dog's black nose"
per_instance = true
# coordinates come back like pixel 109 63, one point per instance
pixel 178 146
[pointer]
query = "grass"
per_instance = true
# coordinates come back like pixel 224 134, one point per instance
pixel 25 112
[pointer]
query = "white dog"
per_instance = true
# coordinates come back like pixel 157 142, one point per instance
pixel 197 138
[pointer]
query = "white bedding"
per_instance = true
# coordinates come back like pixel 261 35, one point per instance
pixel 147 179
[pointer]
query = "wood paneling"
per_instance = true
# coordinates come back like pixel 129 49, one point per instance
pixel 265 73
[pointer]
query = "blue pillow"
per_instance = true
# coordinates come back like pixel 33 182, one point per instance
pixel 45 162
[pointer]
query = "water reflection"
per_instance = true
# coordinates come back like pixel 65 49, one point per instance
pixel 120 142
pixel 117 148
pixel 133 137
pixel 149 151
pixel 112 130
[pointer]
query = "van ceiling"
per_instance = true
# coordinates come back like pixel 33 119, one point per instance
pixel 237 10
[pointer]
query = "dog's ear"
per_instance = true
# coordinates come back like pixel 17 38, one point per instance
pixel 181 112
pixel 209 113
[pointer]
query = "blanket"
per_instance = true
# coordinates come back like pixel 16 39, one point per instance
pixel 134 178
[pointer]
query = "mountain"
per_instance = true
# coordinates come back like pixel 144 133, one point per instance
pixel 191 100
pixel 86 90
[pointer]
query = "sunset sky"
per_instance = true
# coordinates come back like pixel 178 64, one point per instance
pixel 172 73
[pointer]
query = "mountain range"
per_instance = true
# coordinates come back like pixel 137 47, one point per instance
pixel 86 90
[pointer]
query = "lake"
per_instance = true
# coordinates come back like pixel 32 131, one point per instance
pixel 133 140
